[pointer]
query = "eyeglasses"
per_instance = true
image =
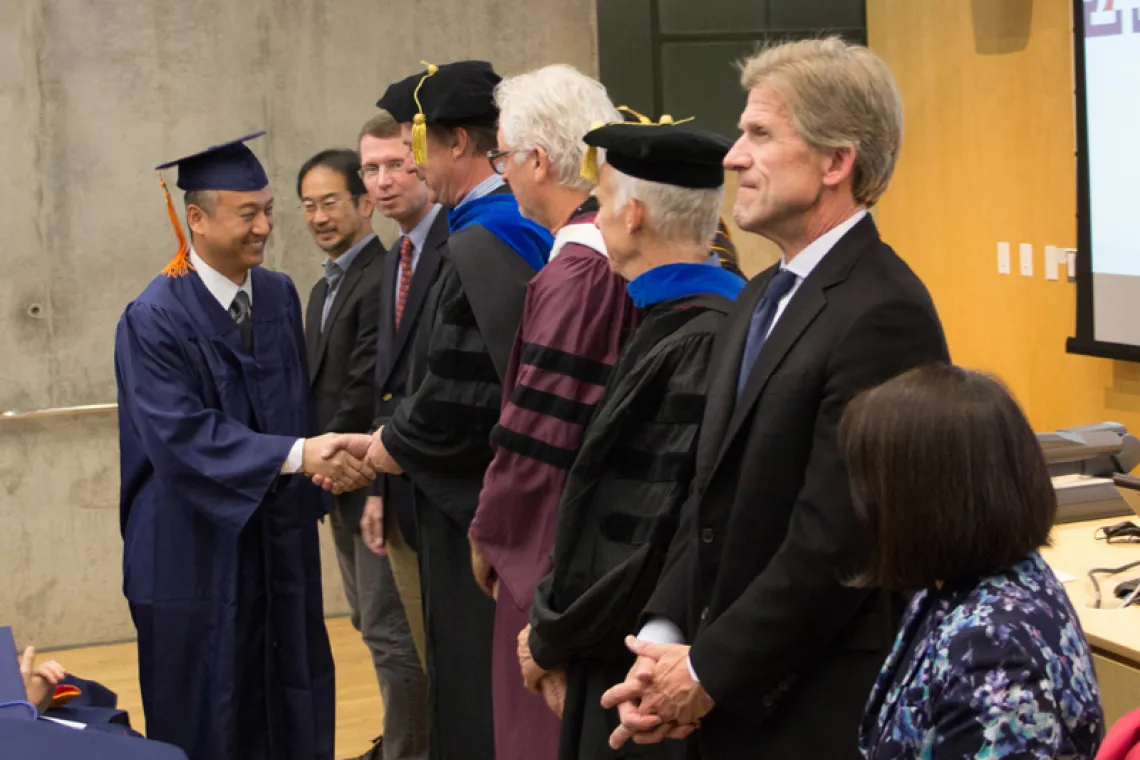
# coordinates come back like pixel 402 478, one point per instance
pixel 328 205
pixel 498 158
pixel 372 172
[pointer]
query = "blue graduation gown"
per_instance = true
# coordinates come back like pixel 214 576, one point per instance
pixel 221 561
pixel 22 736
pixel 44 740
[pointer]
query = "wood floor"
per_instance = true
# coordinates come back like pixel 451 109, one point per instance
pixel 359 711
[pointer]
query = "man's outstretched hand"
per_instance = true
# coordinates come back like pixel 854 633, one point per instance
pixel 335 462
pixel 368 450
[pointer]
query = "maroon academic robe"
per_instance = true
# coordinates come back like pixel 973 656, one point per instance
pixel 576 318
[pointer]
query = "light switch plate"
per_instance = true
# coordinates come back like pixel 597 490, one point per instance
pixel 1053 257
pixel 1027 259
pixel 1003 258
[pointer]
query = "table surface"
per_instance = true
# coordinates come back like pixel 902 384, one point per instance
pixel 1075 551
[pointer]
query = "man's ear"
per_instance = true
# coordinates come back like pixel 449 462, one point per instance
pixel 542 168
pixel 634 216
pixel 196 219
pixel 838 166
pixel 460 140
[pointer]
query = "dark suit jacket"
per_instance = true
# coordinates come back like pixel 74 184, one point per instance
pixel 342 359
pixel 393 355
pixel 768 533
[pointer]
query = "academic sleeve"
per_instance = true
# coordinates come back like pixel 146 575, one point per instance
pixel 576 318
pixel 440 434
pixel 357 402
pixel 797 606
pixel 670 599
pixel 196 450
pixel 637 502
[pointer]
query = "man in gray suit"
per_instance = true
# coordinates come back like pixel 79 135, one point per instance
pixel 341 334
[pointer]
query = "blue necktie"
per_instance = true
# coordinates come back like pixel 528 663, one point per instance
pixel 333 276
pixel 762 317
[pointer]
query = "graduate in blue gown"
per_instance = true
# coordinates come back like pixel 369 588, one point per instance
pixel 221 561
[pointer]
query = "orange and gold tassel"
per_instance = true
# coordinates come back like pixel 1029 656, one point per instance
pixel 180 264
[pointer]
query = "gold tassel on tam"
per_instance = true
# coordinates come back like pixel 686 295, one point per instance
pixel 641 118
pixel 589 169
pixel 668 120
pixel 419 122
pixel 180 264
pixel 665 119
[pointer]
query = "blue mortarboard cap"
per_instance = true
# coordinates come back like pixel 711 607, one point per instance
pixel 229 166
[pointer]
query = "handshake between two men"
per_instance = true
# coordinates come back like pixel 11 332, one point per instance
pixel 343 462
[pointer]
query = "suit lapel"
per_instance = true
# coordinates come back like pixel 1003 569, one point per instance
pixel 343 292
pixel 721 396
pixel 422 280
pixel 388 291
pixel 800 312
pixel 803 308
pixel 313 324
pixel 385 341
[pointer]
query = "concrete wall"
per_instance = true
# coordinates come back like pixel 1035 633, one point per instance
pixel 92 96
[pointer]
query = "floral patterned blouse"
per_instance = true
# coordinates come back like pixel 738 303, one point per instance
pixel 996 668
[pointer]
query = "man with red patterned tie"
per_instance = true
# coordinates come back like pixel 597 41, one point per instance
pixel 357 329
pixel 412 267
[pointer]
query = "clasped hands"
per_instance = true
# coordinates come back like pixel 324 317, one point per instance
pixel 659 699
pixel 342 462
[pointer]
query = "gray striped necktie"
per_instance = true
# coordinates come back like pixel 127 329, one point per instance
pixel 242 312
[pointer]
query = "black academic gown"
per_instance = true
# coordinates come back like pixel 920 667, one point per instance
pixel 440 435
pixel 618 515
pixel 221 561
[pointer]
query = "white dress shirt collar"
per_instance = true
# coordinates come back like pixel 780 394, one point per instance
pixel 220 286
pixel 483 189
pixel 419 233
pixel 808 259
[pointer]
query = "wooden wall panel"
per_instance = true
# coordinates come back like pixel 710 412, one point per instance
pixel 988 156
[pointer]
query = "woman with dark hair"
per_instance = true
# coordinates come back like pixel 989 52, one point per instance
pixel 990 661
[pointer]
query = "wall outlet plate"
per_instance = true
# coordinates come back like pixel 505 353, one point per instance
pixel 1053 258
pixel 1003 258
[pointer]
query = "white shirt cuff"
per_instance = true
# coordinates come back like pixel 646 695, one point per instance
pixel 661 630
pixel 296 458
pixel 664 631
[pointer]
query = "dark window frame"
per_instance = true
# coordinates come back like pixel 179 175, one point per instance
pixel 631 46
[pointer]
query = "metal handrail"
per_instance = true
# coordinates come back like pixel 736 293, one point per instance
pixel 57 411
